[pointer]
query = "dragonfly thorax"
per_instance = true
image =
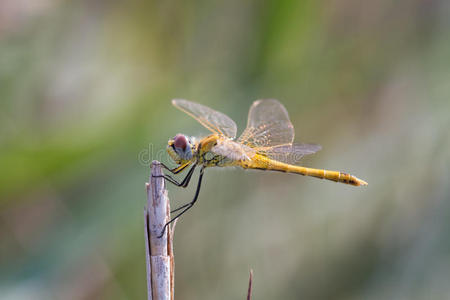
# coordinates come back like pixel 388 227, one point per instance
pixel 181 148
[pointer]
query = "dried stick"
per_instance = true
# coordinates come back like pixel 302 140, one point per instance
pixel 159 251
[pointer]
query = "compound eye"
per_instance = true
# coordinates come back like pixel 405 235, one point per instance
pixel 180 141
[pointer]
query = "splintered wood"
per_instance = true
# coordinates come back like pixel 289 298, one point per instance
pixel 159 250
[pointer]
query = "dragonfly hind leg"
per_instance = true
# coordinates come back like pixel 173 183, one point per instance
pixel 186 206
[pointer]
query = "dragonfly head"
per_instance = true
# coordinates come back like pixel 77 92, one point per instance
pixel 180 148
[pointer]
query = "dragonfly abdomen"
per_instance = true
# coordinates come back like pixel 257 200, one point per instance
pixel 265 163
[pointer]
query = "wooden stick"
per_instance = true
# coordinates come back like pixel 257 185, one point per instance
pixel 159 251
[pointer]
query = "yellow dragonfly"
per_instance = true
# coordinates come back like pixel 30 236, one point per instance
pixel 266 144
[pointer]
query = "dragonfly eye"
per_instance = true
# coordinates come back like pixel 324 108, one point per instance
pixel 180 141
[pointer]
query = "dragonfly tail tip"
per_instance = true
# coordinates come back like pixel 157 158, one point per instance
pixel 362 182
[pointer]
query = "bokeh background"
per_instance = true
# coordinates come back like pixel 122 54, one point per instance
pixel 85 90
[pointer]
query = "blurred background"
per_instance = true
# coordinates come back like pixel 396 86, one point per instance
pixel 85 90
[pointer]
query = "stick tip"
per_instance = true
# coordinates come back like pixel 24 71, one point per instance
pixel 156 169
pixel 156 163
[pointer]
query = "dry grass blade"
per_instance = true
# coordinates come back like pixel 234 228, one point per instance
pixel 250 282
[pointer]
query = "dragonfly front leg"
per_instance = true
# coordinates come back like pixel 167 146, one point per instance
pixel 188 205
pixel 184 183
pixel 176 170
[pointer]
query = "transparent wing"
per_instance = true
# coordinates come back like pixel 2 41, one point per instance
pixel 288 153
pixel 233 150
pixel 214 121
pixel 268 125
pixel 270 133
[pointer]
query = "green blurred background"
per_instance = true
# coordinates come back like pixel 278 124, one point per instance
pixel 85 90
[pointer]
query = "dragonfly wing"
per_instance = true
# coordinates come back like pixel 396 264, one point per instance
pixel 233 150
pixel 214 121
pixel 270 133
pixel 268 125
pixel 288 153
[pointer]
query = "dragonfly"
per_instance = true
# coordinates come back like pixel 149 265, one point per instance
pixel 267 143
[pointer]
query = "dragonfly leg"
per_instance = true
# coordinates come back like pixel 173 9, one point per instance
pixel 183 183
pixel 187 206
pixel 176 170
pixel 181 207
